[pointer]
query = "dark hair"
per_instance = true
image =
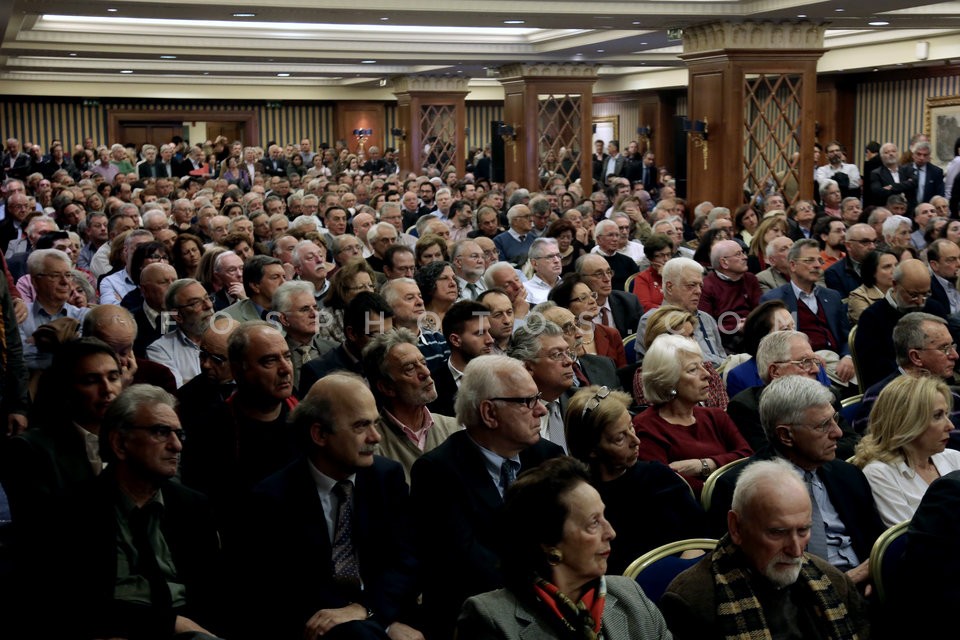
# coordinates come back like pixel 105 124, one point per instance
pixel 456 317
pixel 758 324
pixel 533 516
pixel 178 243
pixel 363 305
pixel 393 250
pixel 738 216
pixel 558 227
pixel 562 294
pixel 52 405
pixel 656 242
pixel 702 254
pixel 253 270
pixel 140 255
pixel 870 263
pixel 427 277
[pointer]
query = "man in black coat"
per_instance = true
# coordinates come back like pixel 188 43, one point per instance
pixel 457 489
pixel 618 308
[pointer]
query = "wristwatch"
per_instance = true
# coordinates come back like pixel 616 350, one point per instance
pixel 704 468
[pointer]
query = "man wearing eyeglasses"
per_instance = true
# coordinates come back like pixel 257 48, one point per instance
pixel 457 489
pixel 547 265
pixel 296 310
pixel 190 307
pixel 730 291
pixel 607 236
pixel 468 268
pixel 50 273
pixel 141 557
pixel 820 312
pixel 844 276
pixel 800 423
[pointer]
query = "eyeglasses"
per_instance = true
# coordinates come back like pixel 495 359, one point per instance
pixel 600 274
pixel 161 432
pixel 738 254
pixel 594 402
pixel 195 302
pixel 946 349
pixel 550 256
pixel 59 275
pixel 560 356
pixel 811 261
pixel 822 427
pixel 206 355
pixel 806 363
pixel 585 297
pixel 918 296
pixel 530 401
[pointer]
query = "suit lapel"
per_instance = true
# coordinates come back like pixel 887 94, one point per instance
pixel 475 472
pixel 615 624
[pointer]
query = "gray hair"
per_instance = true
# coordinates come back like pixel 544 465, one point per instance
pixel 285 292
pixel 891 224
pixel 389 289
pixel 38 256
pixel 373 233
pixel 604 226
pixel 335 241
pixel 303 221
pixel 539 245
pixel 378 349
pixel 483 378
pixel 674 269
pixel 775 347
pixel 716 212
pixel 38 219
pixel 786 400
pixel 662 367
pixel 799 246
pixel 760 476
pixel 122 412
pixel 525 342
pixel 170 297
pixel 492 271
pixel 826 184
pixel 909 334
pixel 515 210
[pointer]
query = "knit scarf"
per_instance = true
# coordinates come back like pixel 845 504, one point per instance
pixel 581 619
pixel 740 614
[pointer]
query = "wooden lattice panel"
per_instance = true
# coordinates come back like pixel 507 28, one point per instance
pixel 559 121
pixel 438 126
pixel 772 108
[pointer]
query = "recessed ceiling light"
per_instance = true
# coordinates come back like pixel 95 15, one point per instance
pixel 283 75
pixel 73 55
pixel 514 22
pixel 206 73
pixel 839 10
pixel 384 19
pixel 112 10
pixel 244 15
pixel 368 62
pixel 635 22
pixel 168 57
pixel 126 71
pixel 801 15
pixel 600 50
pixel 878 23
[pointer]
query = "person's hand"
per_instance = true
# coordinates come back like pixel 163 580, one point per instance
pixel 691 466
pixel 185 625
pixel 20 310
pixel 400 631
pixel 16 423
pixel 326 619
pixel 845 369
pixel 128 370
pixel 235 289
pixel 289 271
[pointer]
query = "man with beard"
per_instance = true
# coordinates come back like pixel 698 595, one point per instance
pixel 399 376
pixel 191 307
pixel 830 232
pixel 874 340
pixel 468 267
pixel 759 581
pixel 467 331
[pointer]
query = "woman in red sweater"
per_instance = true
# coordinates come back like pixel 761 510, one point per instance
pixel 648 285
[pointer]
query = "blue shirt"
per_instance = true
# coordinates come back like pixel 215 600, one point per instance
pixel 37 318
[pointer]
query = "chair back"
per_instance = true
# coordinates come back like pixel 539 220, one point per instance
pixel 885 557
pixel 850 407
pixel 851 337
pixel 655 569
pixel 628 283
pixel 630 348
pixel 706 494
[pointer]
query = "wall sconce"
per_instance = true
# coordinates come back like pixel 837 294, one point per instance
pixel 399 133
pixel 645 132
pixel 697 131
pixel 509 134
pixel 362 135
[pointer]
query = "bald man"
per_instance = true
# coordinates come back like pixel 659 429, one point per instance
pixel 155 279
pixel 115 325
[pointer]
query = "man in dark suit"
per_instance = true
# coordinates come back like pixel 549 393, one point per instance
pixel 155 279
pixel 607 236
pixel 141 557
pixel 588 369
pixel 613 163
pixel 457 489
pixel 115 325
pixel 598 159
pixel 14 162
pixel 890 178
pixel 943 257
pixel 618 309
pixel 819 312
pixel 466 329
pixel 332 536
pixel 274 164
pixel 928 176
pixel 838 486
pixel 843 276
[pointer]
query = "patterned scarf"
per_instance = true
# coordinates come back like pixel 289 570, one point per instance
pixel 581 619
pixel 740 613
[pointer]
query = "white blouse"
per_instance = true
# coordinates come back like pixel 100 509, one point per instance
pixel 898 489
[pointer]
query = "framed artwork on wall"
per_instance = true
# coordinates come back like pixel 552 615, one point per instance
pixel 606 128
pixel 942 123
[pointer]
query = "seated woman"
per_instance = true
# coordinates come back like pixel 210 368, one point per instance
pixel 574 294
pixel 676 430
pixel 564 232
pixel 349 280
pixel 876 272
pixel 768 230
pixel 439 289
pixel 710 238
pixel 676 321
pixel 745 222
pixel 554 562
pixel 636 494
pixel 431 248
pixel 904 449
pixel 648 285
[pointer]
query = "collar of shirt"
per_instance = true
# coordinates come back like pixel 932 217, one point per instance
pixel 456 373
pixel 492 461
pixel 39 313
pixel 91 443
pixel 516 236
pixel 801 294
pixel 419 438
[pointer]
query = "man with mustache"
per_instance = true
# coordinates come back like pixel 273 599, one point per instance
pixel 758 581
pixel 188 305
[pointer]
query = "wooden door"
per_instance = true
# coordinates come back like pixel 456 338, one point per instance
pixel 230 130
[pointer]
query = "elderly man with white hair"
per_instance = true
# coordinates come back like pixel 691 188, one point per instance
pixel 607 236
pixel 896 232
pixel 545 258
pixel 514 243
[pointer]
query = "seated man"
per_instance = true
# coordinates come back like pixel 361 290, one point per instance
pixel 262 276
pixel 730 292
pixel 333 537
pixel 466 329
pixel 758 582
pixel 191 308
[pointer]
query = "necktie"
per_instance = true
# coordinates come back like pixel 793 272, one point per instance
pixel 645 170
pixel 147 565
pixel 346 567
pixel 307 353
pixel 508 473
pixel 605 316
pixel 523 238
pixel 818 532
pixel 555 425
pixel 581 378
pixel 472 289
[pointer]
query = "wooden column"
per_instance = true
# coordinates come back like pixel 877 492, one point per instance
pixel 426 102
pixel 524 85
pixel 751 79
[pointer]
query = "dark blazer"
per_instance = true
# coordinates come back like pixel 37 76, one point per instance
pixel 626 311
pixel 617 168
pixel 332 360
pixel 80 601
pixel 882 178
pixel 841 277
pixel 50 167
pixel 623 267
pixel 597 166
pixel 455 504
pixel 627 613
pixel 599 370
pixel 829 301
pixel 846 486
pixel 289 549
pixel 267 165
pixel 446 390
pixel 147 332
pixel 938 303
pixel 932 186
pixel 874 342
pixel 21 166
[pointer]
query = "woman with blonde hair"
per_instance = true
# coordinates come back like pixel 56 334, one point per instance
pixel 904 449
pixel 769 230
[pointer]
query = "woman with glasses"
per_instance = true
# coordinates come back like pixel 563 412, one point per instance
pixel 676 429
pixel 349 280
pixel 149 253
pixel 648 285
pixel 904 449
pixel 876 273
pixel 600 340
pixel 647 504
pixel 439 288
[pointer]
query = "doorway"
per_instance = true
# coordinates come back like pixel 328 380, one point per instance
pixel 229 130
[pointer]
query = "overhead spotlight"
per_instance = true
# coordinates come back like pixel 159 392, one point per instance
pixel 383 82
pixel 244 15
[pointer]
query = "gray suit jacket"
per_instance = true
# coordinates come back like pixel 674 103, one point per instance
pixel 243 310
pixel 498 614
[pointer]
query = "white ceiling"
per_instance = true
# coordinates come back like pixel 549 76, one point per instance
pixel 331 43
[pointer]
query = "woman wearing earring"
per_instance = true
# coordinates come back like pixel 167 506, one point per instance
pixel 554 563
